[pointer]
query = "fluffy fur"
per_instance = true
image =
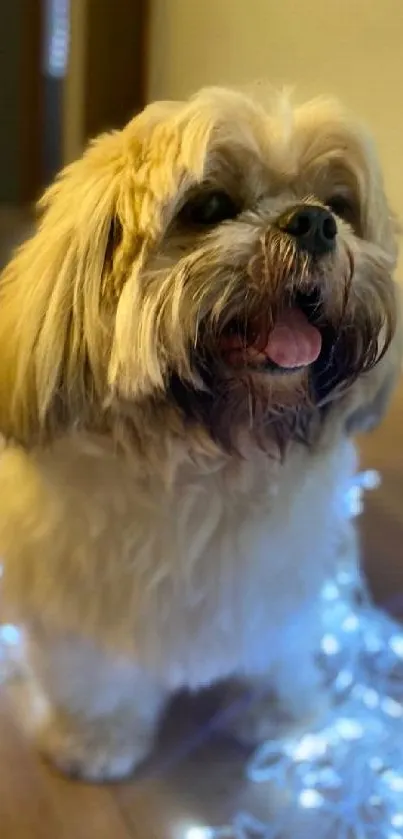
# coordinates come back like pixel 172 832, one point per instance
pixel 167 519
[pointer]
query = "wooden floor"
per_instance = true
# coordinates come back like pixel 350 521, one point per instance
pixel 190 780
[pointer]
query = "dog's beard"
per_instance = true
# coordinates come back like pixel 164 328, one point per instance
pixel 347 297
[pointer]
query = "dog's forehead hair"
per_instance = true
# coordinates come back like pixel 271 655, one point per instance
pixel 277 140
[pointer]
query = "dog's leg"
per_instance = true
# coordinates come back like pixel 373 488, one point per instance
pixel 293 696
pixel 290 695
pixel 282 704
pixel 93 716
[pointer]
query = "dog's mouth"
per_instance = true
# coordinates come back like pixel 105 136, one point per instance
pixel 295 340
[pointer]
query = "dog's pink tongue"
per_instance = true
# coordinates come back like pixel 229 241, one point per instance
pixel 293 341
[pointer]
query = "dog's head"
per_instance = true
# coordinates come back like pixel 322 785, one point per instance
pixel 224 264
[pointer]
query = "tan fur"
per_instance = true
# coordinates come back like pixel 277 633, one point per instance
pixel 154 540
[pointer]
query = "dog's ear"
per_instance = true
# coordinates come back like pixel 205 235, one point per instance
pixel 372 393
pixel 53 321
pixel 373 403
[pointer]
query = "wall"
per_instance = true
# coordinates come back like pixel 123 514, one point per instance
pixel 74 85
pixel 105 79
pixel 351 48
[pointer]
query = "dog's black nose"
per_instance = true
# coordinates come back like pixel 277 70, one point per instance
pixel 313 227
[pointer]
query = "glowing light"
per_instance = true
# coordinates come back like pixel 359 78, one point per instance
pixel 350 624
pixel 310 799
pixel 394 780
pixel 370 479
pixel 57 36
pixel 343 680
pixel 199 832
pixel 330 591
pixel 396 645
pixel 391 707
pixel 349 729
pixel 370 698
pixel 330 645
pixel 9 635
pixel 397 820
pixel 345 578
pixel 310 746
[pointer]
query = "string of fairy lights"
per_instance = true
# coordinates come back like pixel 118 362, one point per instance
pixel 343 780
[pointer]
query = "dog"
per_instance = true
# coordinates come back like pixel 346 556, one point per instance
pixel 203 320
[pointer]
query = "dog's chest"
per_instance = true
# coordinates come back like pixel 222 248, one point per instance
pixel 212 535
pixel 197 571
pixel 237 557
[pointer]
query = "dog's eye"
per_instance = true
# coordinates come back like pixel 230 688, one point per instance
pixel 209 208
pixel 343 208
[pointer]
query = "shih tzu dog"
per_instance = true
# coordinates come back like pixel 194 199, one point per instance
pixel 204 318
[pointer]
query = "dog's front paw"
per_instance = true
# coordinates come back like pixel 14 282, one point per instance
pixel 97 751
pixel 250 714
pixel 259 722
pixel 258 714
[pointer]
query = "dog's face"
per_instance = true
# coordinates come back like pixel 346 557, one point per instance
pixel 228 261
